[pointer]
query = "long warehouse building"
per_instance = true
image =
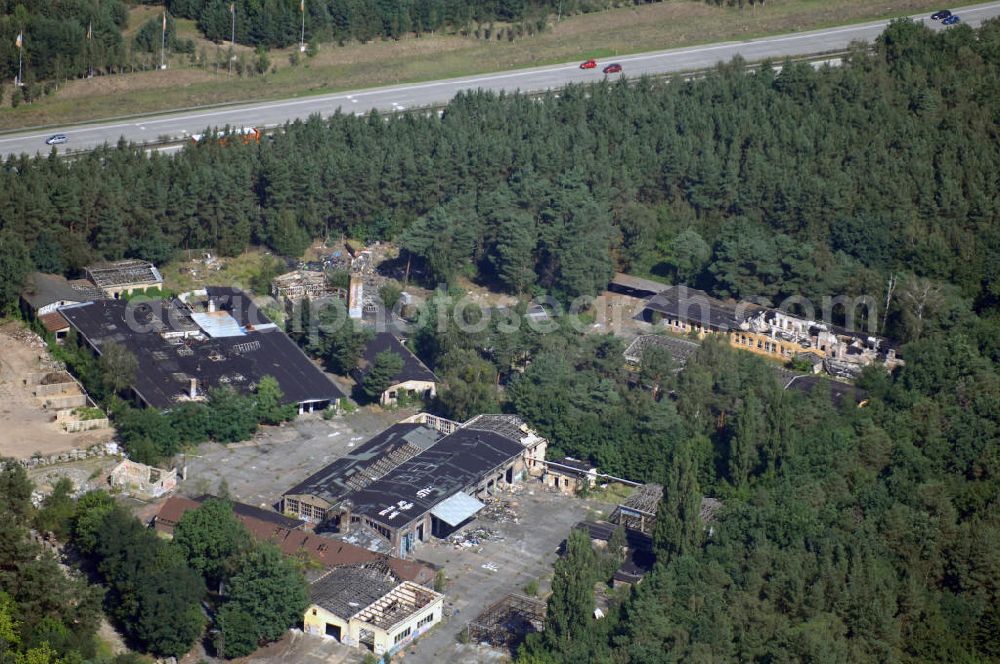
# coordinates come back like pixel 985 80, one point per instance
pixel 184 350
pixel 419 479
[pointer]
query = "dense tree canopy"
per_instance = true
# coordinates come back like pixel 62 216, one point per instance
pixel 152 593
pixel 55 37
pixel 260 593
pixel 212 540
pixel 847 534
pixel 279 23
pixel 266 595
pixel 45 610
pixel 801 182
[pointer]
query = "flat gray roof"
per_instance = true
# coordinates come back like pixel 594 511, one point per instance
pixel 457 509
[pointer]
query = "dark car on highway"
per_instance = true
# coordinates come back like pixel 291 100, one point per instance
pixel 937 16
pixel 951 20
pixel 613 68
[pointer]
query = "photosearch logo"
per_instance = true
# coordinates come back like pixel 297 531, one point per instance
pixel 470 315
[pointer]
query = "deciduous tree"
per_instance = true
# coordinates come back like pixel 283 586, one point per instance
pixel 267 594
pixel 118 366
pixel 212 539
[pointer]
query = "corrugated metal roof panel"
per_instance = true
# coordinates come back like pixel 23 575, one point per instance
pixel 218 324
pixel 457 509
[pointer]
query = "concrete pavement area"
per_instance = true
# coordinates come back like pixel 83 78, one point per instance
pixel 258 471
pixel 523 549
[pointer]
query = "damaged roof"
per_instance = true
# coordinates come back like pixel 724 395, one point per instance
pixel 53 322
pixel 346 591
pixel 360 466
pixel 680 349
pixel 123 273
pixel 697 307
pixel 167 365
pixel 42 289
pixel 455 462
pixel 413 368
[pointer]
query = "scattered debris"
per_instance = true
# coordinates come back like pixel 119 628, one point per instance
pixel 474 537
pixel 366 539
pixel 499 510
pixel 504 624
pixel 139 479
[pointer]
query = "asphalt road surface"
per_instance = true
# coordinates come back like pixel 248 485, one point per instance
pixel 402 97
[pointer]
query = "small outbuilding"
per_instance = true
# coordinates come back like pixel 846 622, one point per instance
pixel 45 293
pixel 414 379
pixel 367 606
pixel 569 475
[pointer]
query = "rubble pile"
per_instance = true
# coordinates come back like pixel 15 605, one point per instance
pixel 474 537
pixel 366 540
pixel 26 336
pixel 499 511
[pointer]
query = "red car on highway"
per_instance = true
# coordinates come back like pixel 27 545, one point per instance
pixel 589 64
pixel 613 68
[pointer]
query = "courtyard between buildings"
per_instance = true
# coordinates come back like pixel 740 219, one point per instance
pixel 512 542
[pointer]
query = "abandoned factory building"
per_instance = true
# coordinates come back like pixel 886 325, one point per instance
pixel 124 277
pixel 766 331
pixel 368 606
pixel 293 540
pixel 185 349
pixel 421 478
pixel 317 495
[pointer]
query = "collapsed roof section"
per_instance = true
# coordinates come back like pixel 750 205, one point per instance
pixel 370 593
pixel 366 463
pixel 109 276
pixel 680 349
pixel 455 462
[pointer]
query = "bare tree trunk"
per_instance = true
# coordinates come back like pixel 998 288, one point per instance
pixel 888 300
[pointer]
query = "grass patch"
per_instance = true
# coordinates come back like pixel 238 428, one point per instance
pixel 152 293
pixel 87 413
pixel 251 270
pixel 601 35
pixel 615 493
pixel 137 16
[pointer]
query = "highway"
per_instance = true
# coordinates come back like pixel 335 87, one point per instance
pixel 400 97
